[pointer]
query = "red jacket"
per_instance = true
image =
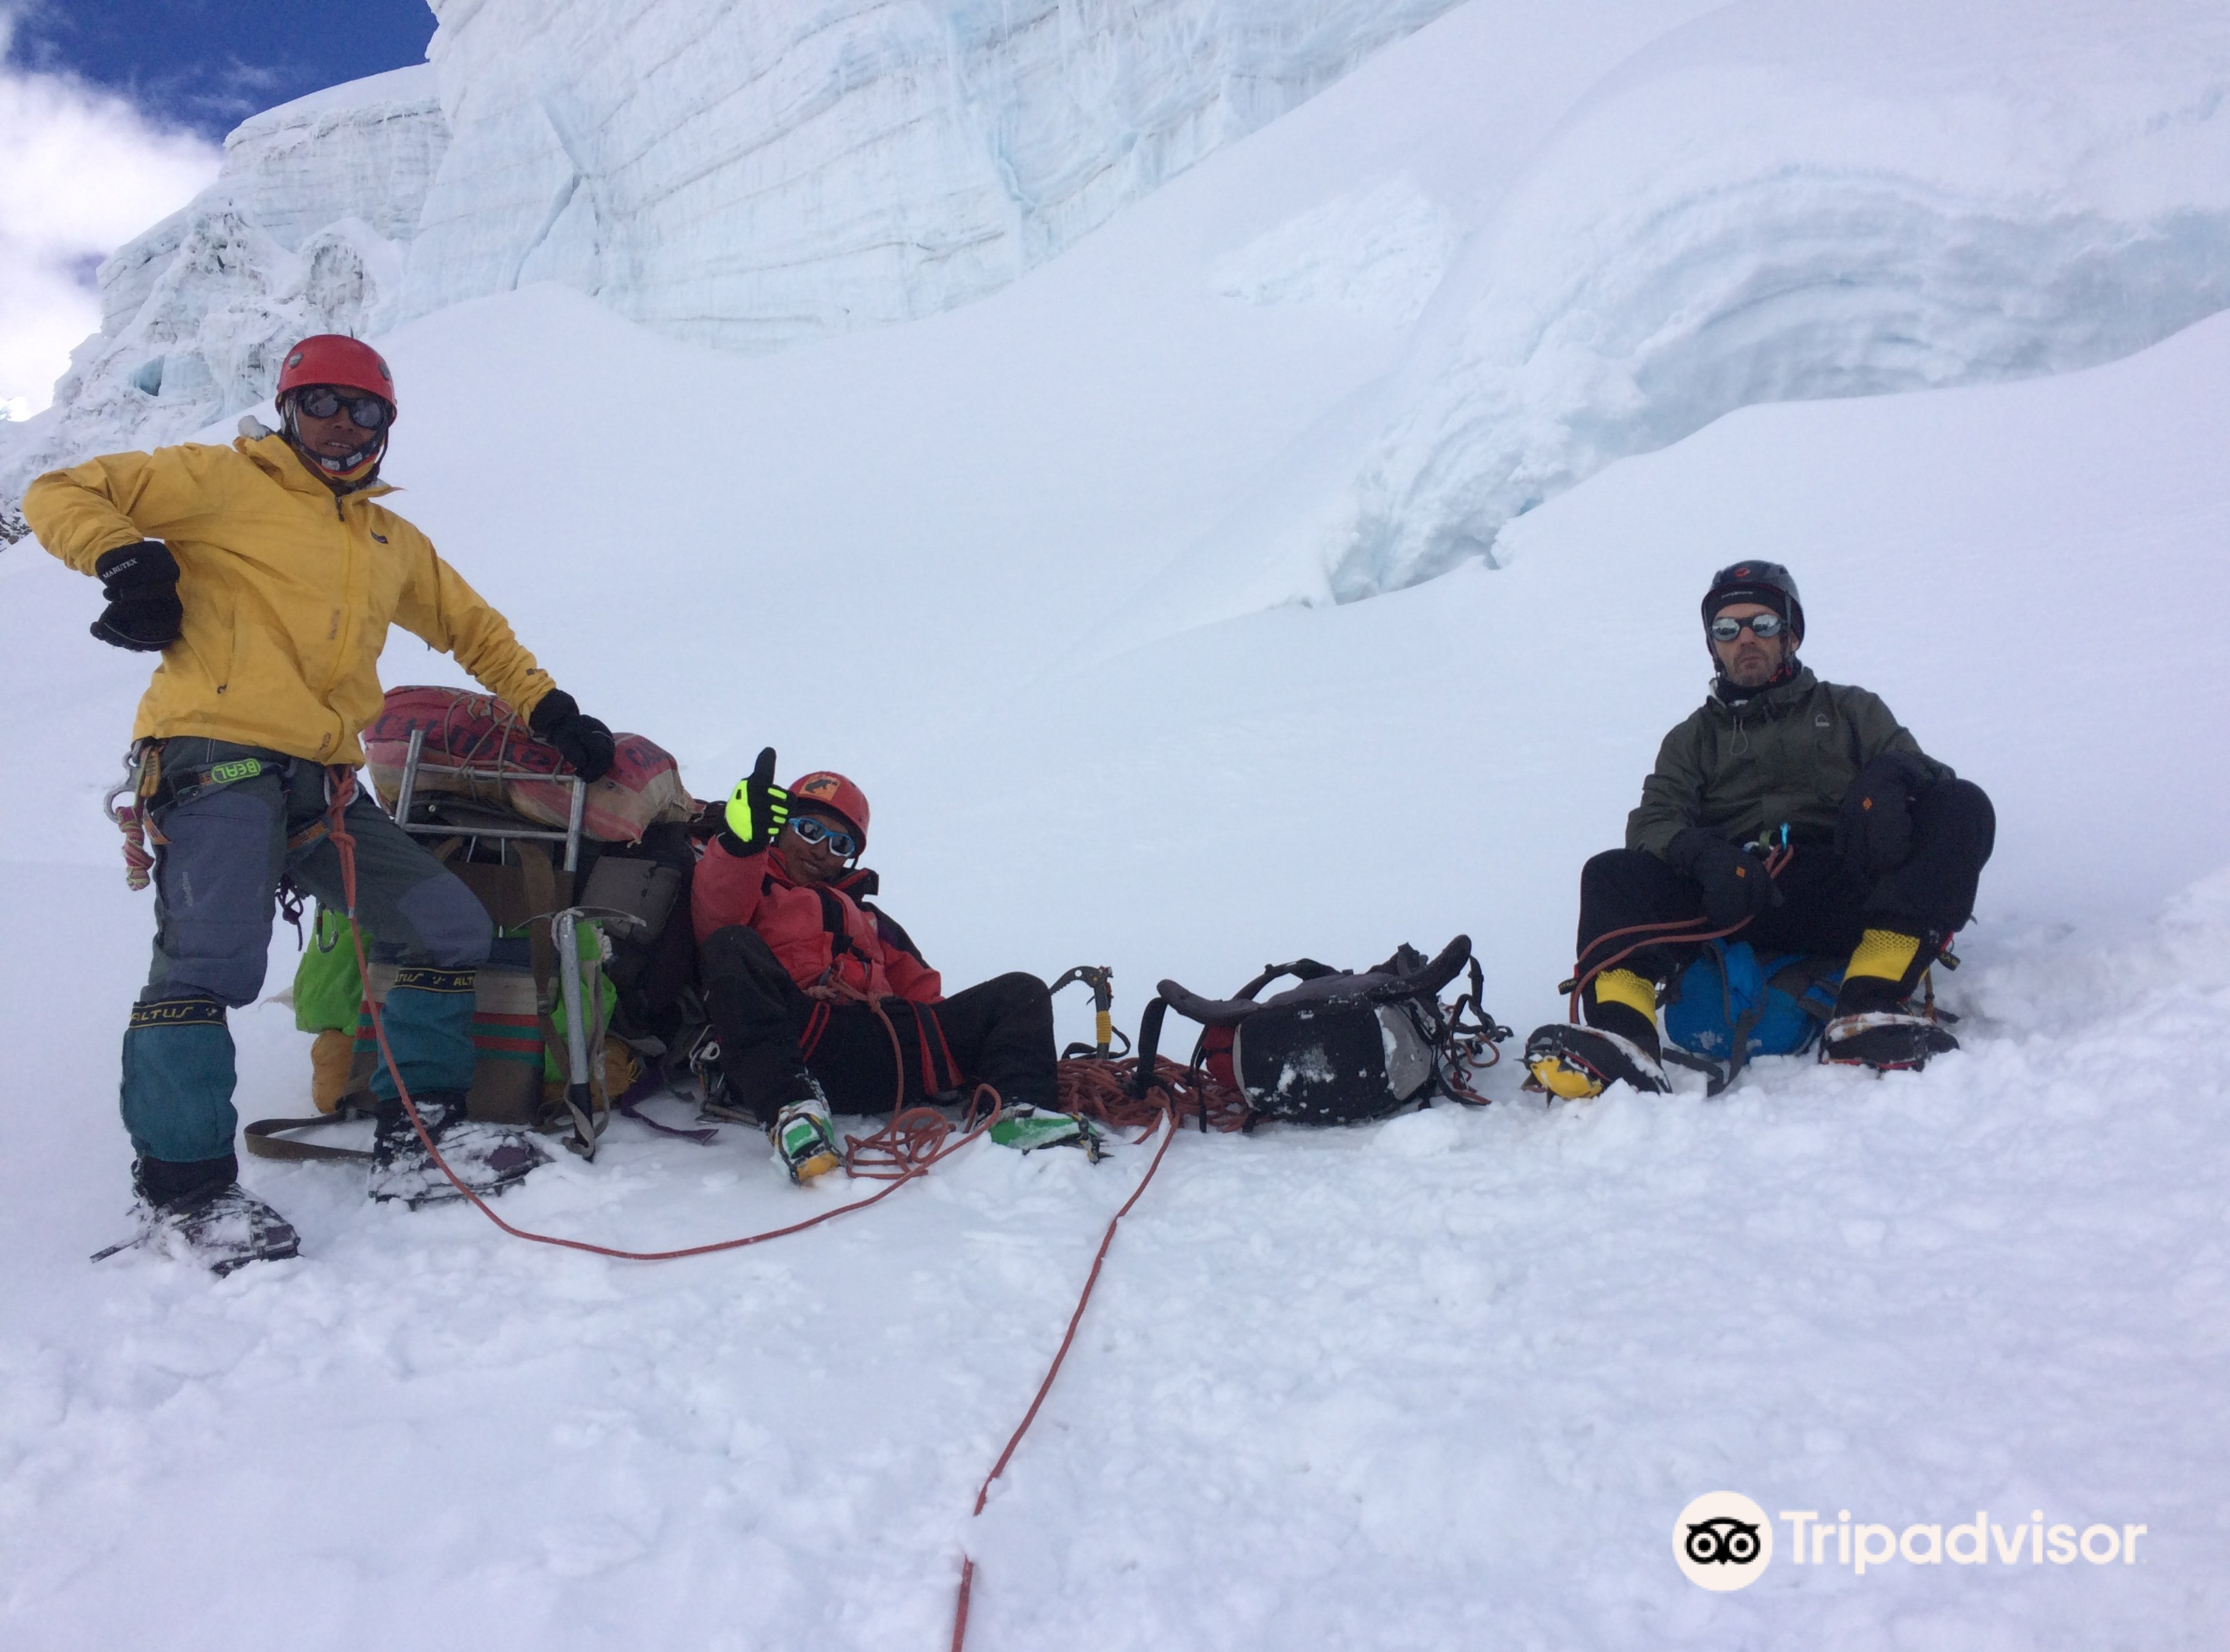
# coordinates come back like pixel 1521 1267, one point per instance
pixel 814 930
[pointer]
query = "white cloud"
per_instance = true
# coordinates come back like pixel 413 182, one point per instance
pixel 84 173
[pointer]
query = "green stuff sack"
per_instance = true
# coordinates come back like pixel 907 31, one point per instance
pixel 328 988
pixel 588 942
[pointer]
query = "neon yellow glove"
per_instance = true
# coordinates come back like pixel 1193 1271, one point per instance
pixel 758 809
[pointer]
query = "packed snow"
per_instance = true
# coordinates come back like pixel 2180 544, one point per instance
pixel 1023 570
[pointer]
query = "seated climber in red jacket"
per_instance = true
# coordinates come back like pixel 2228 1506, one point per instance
pixel 818 999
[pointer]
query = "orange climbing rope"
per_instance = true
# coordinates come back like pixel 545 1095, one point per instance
pixel 1103 1091
pixel 1181 1090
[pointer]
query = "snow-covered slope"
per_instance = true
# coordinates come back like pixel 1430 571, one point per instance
pixel 1442 1383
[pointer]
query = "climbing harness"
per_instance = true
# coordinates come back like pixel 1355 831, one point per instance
pixel 1682 930
pixel 1471 1046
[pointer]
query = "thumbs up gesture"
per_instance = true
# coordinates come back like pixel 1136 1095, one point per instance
pixel 757 808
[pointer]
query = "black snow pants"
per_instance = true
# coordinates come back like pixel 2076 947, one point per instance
pixel 999 1032
pixel 1825 908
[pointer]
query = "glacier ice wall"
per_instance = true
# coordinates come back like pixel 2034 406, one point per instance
pixel 749 176
pixel 304 231
pixel 741 175
pixel 1786 201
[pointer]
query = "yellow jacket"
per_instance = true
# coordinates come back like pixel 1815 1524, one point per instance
pixel 288 591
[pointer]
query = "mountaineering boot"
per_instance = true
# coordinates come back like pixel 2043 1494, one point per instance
pixel 1874 1025
pixel 1618 1045
pixel 1575 1063
pixel 804 1136
pixel 214 1220
pixel 716 1097
pixel 486 1157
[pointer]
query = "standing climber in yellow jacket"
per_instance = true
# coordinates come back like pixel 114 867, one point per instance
pixel 266 574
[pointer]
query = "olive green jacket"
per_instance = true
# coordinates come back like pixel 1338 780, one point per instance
pixel 1787 755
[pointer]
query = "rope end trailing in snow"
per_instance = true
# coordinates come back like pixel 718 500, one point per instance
pixel 960 1612
pixel 1168 1117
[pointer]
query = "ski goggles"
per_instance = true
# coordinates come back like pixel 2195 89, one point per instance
pixel 813 829
pixel 323 401
pixel 1726 628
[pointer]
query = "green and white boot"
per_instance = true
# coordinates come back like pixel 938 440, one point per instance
pixel 804 1138
pixel 1027 1129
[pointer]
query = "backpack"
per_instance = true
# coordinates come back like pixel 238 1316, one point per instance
pixel 475 747
pixel 482 778
pixel 1729 1004
pixel 1343 1047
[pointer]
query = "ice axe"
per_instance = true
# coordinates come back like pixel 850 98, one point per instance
pixel 1101 979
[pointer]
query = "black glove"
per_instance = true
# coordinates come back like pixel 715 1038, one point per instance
pixel 581 741
pixel 1737 887
pixel 141 582
pixel 1873 829
pixel 756 809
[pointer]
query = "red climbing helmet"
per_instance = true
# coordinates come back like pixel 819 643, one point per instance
pixel 331 358
pixel 826 789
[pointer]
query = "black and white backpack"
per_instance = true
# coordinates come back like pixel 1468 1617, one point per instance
pixel 1344 1046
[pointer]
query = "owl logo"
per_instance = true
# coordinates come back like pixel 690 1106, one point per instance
pixel 1722 1542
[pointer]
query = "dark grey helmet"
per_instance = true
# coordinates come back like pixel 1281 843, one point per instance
pixel 1758 582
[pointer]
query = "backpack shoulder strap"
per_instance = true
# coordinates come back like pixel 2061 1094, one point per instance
pixel 1301 968
pixel 832 920
pixel 1209 1012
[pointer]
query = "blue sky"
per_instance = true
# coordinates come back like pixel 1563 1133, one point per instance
pixel 207 64
pixel 115 110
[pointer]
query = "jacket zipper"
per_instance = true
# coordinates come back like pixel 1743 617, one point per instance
pixel 340 648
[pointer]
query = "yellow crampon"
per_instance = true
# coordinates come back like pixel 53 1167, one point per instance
pixel 1560 1078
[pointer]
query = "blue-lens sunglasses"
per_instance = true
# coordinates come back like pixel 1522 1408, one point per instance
pixel 813 829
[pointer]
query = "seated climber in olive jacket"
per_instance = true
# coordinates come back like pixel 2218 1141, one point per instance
pixel 1887 846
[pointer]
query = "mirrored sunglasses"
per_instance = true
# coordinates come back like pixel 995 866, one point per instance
pixel 813 829
pixel 323 401
pixel 1726 629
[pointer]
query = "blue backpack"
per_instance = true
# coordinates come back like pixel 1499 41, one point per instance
pixel 1730 1004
